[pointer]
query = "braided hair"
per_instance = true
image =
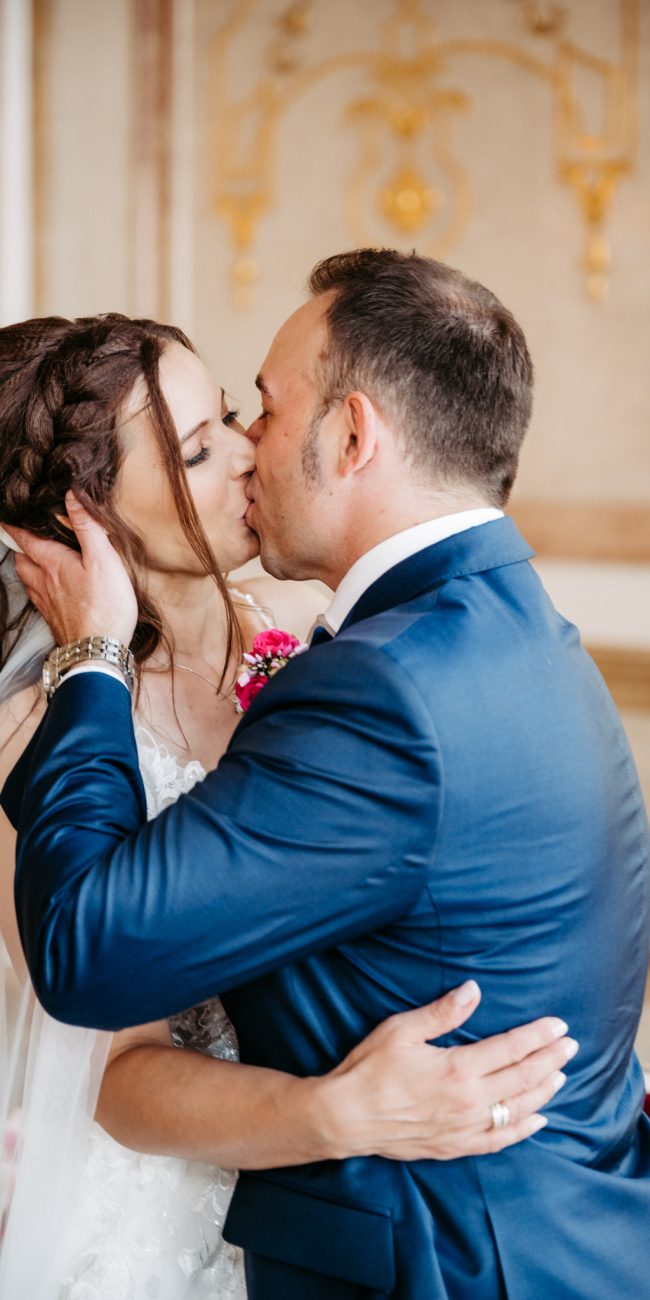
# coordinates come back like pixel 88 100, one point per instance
pixel 63 384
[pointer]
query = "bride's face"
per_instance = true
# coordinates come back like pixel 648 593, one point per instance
pixel 218 458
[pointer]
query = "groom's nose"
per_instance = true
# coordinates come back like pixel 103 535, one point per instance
pixel 245 453
pixel 254 432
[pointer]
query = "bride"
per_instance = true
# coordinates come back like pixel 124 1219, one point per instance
pixel 112 1196
pixel 126 412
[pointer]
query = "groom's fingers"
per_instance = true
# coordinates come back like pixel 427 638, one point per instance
pixel 31 576
pixel 91 536
pixel 79 595
pixel 39 549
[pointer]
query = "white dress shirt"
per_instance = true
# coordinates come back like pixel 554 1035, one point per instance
pixel 376 562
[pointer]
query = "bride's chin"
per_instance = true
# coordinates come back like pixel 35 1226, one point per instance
pixel 247 550
pixel 252 544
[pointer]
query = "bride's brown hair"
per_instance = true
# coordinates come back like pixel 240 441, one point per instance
pixel 63 384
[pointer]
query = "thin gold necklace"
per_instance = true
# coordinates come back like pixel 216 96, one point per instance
pixel 184 668
pixel 196 673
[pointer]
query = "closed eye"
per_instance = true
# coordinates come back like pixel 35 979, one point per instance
pixel 200 457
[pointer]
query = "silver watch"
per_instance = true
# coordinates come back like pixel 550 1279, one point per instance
pixel 65 657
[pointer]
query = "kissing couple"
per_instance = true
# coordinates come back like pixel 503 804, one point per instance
pixel 438 792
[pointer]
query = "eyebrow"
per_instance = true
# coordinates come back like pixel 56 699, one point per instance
pixel 197 428
pixel 262 385
pixel 202 424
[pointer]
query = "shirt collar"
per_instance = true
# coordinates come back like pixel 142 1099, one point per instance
pixel 371 566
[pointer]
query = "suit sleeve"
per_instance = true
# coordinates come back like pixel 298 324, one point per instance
pixel 316 826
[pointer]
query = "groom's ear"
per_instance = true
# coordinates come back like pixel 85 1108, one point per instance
pixel 358 433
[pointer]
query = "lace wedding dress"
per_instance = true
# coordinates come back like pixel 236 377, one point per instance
pixel 148 1227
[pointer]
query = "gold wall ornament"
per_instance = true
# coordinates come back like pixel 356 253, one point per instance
pixel 283 52
pixel 593 158
pixel 407 202
pixel 409 181
pixel 543 17
pixel 406 154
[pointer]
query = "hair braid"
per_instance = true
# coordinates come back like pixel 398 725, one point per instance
pixel 63 384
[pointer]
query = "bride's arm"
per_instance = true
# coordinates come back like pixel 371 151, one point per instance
pixel 19 718
pixel 395 1095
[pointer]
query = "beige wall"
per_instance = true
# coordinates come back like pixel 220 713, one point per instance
pixel 136 140
pixel 589 439
pixel 132 123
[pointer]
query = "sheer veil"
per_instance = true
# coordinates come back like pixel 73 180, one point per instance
pixel 51 1072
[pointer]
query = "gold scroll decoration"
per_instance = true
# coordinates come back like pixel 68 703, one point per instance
pixel 408 176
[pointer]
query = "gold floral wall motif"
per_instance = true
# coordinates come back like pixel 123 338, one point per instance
pixel 409 182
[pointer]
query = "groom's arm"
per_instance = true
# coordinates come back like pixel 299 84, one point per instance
pixel 317 826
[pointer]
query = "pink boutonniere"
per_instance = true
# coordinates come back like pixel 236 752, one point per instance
pixel 270 651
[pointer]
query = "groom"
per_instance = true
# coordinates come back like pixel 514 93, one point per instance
pixel 441 787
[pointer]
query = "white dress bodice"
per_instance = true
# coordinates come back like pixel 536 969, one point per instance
pixel 150 1227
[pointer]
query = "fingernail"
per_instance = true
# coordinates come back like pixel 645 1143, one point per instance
pixel 558 1080
pixel 538 1122
pixel 570 1048
pixel 558 1027
pixel 465 993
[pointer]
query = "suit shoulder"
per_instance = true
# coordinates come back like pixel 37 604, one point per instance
pixel 352 674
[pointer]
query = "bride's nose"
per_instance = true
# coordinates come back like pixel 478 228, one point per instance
pixel 244 453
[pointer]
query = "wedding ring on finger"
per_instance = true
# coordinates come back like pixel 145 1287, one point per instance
pixel 500 1113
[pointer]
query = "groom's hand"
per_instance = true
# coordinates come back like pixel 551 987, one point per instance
pixel 397 1096
pixel 79 595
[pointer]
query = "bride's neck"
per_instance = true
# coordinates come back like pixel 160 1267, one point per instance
pixel 193 614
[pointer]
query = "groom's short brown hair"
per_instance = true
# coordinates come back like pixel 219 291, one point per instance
pixel 440 356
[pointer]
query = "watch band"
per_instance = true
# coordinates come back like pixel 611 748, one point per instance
pixel 65 657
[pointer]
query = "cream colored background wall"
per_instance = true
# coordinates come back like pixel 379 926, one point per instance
pixel 589 439
pixel 86 187
pixel 131 128
pixel 135 147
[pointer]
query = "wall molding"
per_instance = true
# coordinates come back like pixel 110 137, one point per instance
pixel 42 22
pixel 627 673
pixel 149 272
pixel 586 530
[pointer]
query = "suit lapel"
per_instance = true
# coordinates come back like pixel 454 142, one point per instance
pixel 488 546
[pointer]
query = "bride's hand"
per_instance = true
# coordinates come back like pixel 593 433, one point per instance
pixel 79 595
pixel 397 1096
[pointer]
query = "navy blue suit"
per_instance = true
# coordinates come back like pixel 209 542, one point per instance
pixel 443 791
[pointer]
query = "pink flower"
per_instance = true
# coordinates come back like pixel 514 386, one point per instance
pixel 271 650
pixel 276 644
pixel 252 687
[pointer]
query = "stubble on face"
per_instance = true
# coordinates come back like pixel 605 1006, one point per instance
pixel 310 452
pixel 290 469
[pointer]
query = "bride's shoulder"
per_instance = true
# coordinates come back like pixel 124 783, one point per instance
pixel 23 710
pixel 293 606
pixel 19 718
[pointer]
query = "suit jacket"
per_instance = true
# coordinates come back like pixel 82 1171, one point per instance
pixel 443 791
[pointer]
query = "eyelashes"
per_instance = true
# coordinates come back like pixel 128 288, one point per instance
pixel 228 418
pixel 198 459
